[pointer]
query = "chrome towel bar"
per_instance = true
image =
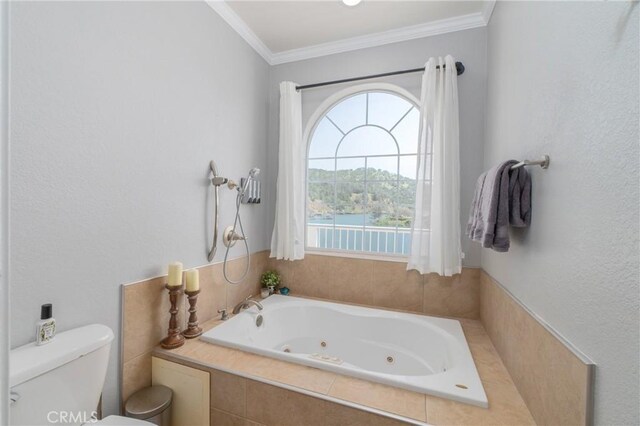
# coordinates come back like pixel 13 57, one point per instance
pixel 544 163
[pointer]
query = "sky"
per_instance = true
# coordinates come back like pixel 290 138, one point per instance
pixel 368 124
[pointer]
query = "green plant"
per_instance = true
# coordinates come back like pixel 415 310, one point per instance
pixel 270 279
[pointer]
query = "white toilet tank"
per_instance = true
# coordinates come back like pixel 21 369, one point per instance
pixel 60 382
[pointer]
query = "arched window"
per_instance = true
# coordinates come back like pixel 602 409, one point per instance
pixel 361 173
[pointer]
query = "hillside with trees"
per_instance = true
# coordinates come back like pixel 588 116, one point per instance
pixel 387 197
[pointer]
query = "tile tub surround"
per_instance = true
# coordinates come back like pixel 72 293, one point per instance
pixel 145 313
pixel 145 304
pixel 563 396
pixel 560 391
pixel 382 284
pixel 250 388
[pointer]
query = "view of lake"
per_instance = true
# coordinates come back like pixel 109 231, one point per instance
pixel 373 239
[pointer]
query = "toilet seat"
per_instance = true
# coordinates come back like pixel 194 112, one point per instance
pixel 119 421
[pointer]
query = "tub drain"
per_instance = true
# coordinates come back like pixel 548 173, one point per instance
pixel 323 344
pixel 390 359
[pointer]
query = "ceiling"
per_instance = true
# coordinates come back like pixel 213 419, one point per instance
pixel 284 31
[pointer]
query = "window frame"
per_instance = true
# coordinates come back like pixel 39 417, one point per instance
pixel 312 124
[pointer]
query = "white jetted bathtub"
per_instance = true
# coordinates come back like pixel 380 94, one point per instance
pixel 415 352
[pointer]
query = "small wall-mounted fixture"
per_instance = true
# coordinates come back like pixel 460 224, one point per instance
pixel 544 163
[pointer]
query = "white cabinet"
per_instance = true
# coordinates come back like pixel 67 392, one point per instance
pixel 190 391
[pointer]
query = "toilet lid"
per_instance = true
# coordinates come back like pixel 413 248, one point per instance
pixel 120 421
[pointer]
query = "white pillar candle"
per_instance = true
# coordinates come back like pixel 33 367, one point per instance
pixel 174 278
pixel 193 280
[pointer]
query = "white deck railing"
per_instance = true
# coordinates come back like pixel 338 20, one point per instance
pixel 374 239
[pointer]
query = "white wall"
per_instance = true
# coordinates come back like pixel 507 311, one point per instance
pixel 117 109
pixel 4 211
pixel 467 46
pixel 563 81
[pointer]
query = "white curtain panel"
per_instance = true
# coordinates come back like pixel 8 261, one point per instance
pixel 287 241
pixel 435 236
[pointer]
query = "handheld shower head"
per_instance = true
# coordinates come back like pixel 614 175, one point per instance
pixel 252 175
pixel 216 180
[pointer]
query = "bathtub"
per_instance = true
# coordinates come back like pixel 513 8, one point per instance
pixel 415 352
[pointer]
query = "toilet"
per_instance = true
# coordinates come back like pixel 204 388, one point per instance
pixel 61 382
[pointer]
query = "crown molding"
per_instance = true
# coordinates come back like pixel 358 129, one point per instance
pixel 235 22
pixel 442 26
pixel 487 10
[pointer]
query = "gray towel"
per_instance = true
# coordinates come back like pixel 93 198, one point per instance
pixel 520 198
pixel 489 217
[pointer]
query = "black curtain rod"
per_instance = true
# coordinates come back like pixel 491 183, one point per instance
pixel 459 70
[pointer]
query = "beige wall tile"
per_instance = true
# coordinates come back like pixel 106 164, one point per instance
pixel 492 310
pixel 506 407
pixel 146 307
pixel 146 316
pixel 375 395
pixel 250 285
pixel 259 264
pixel 284 268
pixel 213 292
pixel 271 405
pixel 472 328
pixel 352 280
pixel 553 381
pixel 240 291
pixel 341 415
pixel 312 276
pixel 382 284
pixel 136 375
pixel 456 296
pixel 228 392
pixel 489 366
pixel 395 287
pixel 335 278
pixel 220 418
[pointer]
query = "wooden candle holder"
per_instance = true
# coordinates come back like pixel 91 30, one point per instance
pixel 193 330
pixel 174 339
